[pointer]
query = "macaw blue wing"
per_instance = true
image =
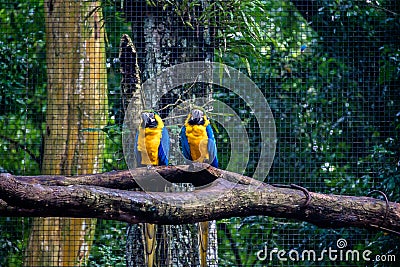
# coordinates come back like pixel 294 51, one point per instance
pixel 163 149
pixel 212 147
pixel 136 152
pixel 185 144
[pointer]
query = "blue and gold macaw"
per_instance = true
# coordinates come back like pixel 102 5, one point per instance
pixel 151 149
pixel 198 144
pixel 152 141
pixel 197 139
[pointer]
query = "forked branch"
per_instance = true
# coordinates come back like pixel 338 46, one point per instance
pixel 219 194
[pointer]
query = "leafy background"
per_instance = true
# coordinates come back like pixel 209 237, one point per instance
pixel 336 107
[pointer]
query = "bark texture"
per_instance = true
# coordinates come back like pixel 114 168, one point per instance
pixel 227 194
pixel 165 34
pixel 76 113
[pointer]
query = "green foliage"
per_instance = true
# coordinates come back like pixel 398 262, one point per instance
pixel 19 145
pixel 22 86
pixel 22 106
pixel 336 108
pixel 109 246
pixel 383 167
pixel 328 101
pixel 261 35
pixel 115 25
pixel 234 250
pixel 22 68
pixel 13 241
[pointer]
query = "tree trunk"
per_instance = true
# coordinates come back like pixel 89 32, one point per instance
pixel 76 113
pixel 163 39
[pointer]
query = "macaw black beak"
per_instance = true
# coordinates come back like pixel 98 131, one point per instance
pixel 148 120
pixel 197 117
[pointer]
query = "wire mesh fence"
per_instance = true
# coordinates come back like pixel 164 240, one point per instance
pixel 328 71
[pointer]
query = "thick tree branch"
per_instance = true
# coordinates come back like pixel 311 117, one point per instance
pixel 227 194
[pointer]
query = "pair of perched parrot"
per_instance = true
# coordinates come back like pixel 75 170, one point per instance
pixel 152 148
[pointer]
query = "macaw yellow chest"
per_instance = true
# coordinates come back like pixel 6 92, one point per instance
pixel 198 142
pixel 149 140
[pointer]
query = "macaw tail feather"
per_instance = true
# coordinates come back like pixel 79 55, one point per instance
pixel 203 243
pixel 149 243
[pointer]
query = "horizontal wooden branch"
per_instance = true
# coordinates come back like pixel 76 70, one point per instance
pixel 219 194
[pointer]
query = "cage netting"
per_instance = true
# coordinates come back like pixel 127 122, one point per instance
pixel 329 72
